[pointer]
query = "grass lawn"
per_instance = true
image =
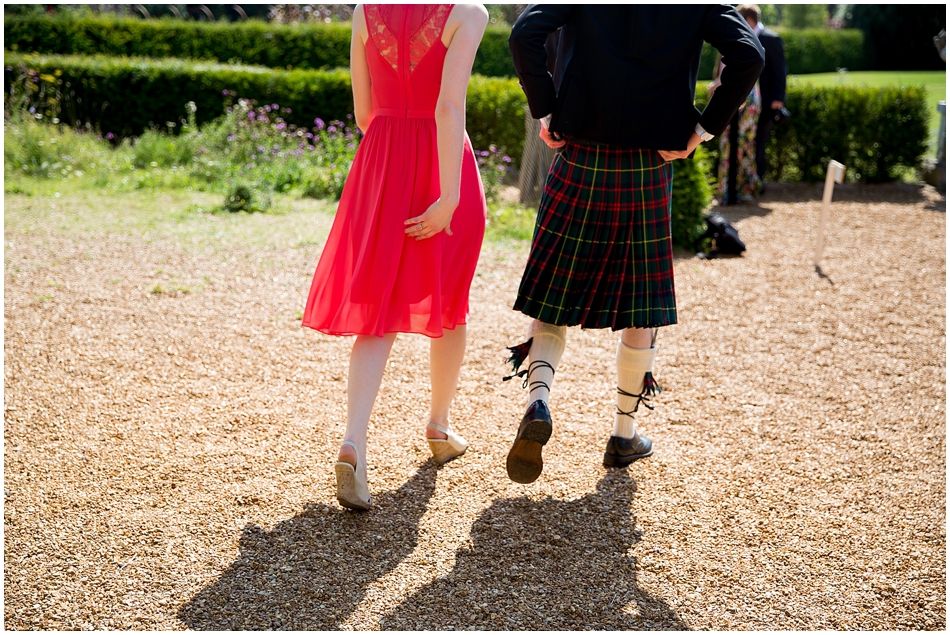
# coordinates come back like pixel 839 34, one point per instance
pixel 935 82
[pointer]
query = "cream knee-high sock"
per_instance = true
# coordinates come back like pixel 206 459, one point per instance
pixel 632 366
pixel 547 345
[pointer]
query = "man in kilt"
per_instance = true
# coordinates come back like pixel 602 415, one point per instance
pixel 620 109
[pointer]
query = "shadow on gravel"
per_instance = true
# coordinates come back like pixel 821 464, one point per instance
pixel 312 570
pixel 544 565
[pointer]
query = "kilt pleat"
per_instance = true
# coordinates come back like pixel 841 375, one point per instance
pixel 602 251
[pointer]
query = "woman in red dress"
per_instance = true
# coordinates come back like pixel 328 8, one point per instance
pixel 402 251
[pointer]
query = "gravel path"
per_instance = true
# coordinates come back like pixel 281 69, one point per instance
pixel 170 431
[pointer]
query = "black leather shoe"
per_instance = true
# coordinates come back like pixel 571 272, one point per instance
pixel 622 452
pixel 524 459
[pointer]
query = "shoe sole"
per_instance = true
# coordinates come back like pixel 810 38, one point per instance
pixel 346 488
pixel 615 460
pixel 524 462
pixel 443 452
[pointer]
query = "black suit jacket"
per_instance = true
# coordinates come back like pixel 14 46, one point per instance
pixel 628 72
pixel 772 80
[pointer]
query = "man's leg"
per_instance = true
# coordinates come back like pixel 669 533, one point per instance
pixel 636 352
pixel 762 132
pixel 547 346
pixel 524 462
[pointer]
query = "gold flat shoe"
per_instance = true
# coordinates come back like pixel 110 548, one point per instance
pixel 351 488
pixel 444 450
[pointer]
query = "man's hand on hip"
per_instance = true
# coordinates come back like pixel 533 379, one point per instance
pixel 670 155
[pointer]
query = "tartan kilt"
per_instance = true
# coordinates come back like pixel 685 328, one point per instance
pixel 602 251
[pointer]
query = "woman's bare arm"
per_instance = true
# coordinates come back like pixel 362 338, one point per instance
pixel 462 35
pixel 359 72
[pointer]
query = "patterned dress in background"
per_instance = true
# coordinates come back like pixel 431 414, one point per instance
pixel 748 183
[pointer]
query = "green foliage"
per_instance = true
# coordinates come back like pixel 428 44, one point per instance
pixel 822 50
pixel 875 132
pixel 899 36
pixel 494 114
pixel 805 16
pixel 309 45
pixel 692 195
pixel 494 166
pixel 303 46
pixel 33 148
pixel 494 57
pixel 808 51
pixel 246 198
pixel 127 96
pixel 510 223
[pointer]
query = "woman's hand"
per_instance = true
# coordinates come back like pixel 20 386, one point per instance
pixel 435 219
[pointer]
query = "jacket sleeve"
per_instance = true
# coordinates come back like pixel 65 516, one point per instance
pixel 527 40
pixel 743 59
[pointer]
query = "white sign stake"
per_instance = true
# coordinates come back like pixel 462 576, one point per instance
pixel 835 175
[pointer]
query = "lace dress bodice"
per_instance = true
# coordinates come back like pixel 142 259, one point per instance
pixel 406 55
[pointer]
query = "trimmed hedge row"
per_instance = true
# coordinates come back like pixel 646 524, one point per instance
pixel 126 96
pixel 323 46
pixel 286 46
pixel 875 132
pixel 809 51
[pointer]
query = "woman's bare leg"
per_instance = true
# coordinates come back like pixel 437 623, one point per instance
pixel 446 354
pixel 367 363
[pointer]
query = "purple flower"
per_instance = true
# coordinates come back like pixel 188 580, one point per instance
pixel 267 108
pixel 331 129
pixel 9 68
pixel 310 135
pixel 273 106
pixel 110 136
pixel 224 92
pixel 250 114
pixel 350 146
pixel 230 137
pixel 506 159
pixel 349 116
pixel 319 123
pixel 281 126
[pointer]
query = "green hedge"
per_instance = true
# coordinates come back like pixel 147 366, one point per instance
pixel 875 132
pixel 323 46
pixel 296 46
pixel 126 96
pixel 809 51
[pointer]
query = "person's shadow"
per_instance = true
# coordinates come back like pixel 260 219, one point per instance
pixel 544 565
pixel 311 571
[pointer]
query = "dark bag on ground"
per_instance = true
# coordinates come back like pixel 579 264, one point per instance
pixel 724 238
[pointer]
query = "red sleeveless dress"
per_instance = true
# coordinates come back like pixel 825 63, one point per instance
pixel 372 278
